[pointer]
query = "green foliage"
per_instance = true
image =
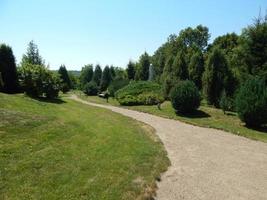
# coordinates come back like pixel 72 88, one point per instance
pixel 90 88
pixel 179 66
pixel 130 70
pixel 38 81
pixel 97 75
pixel 185 97
pixel 65 79
pixel 144 64
pixel 9 77
pixel 86 75
pixel 226 103
pixel 251 102
pixel 140 93
pixel 196 69
pixel 105 79
pixel 32 55
pixel 116 85
pixel 216 77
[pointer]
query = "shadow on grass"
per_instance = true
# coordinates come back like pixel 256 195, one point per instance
pixel 54 101
pixel 195 114
pixel 262 129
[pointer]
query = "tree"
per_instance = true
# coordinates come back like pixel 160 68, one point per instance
pixel 112 72
pixel 65 79
pixel 86 74
pixel 90 88
pixel 253 47
pixel 216 77
pixel 32 55
pixel 179 66
pixel 105 79
pixel 38 81
pixel 196 69
pixel 8 71
pixel 97 75
pixel 144 63
pixel 130 70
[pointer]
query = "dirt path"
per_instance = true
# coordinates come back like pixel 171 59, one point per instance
pixel 206 164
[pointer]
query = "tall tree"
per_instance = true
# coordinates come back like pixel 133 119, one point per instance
pixel 65 79
pixel 179 66
pixel 86 74
pixel 32 55
pixel 8 70
pixel 105 79
pixel 97 75
pixel 196 69
pixel 112 72
pixel 144 64
pixel 130 70
pixel 216 77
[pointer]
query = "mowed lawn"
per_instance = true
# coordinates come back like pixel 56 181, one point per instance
pixel 206 116
pixel 67 150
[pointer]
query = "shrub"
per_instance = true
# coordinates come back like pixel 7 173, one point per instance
pixel 91 88
pixel 185 97
pixel 116 85
pixel 226 103
pixel 140 93
pixel 38 81
pixel 251 102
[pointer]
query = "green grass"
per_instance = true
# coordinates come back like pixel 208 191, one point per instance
pixel 205 117
pixel 68 150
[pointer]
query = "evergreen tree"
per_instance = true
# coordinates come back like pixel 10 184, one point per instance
pixel 196 68
pixel 32 55
pixel 112 72
pixel 86 74
pixel 179 66
pixel 65 79
pixel 216 76
pixel 8 70
pixel 130 70
pixel 105 79
pixel 97 75
pixel 144 63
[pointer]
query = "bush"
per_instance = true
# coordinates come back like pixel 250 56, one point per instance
pixel 140 93
pixel 116 85
pixel 38 81
pixel 185 97
pixel 251 102
pixel 226 103
pixel 90 88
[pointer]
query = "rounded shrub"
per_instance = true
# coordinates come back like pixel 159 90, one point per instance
pixel 116 85
pixel 185 97
pixel 90 88
pixel 251 102
pixel 140 93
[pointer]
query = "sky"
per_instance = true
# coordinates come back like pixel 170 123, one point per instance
pixel 104 32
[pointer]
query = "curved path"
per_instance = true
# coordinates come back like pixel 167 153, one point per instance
pixel 206 163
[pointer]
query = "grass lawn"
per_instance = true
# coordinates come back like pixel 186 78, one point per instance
pixel 206 117
pixel 68 150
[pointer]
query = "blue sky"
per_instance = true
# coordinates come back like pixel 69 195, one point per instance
pixel 80 32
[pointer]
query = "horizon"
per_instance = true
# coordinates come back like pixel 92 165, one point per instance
pixel 112 33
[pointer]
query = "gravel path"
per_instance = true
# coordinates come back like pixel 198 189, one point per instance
pixel 206 163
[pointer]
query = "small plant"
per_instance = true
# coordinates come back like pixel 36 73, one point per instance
pixel 251 102
pixel 226 103
pixel 90 89
pixel 185 97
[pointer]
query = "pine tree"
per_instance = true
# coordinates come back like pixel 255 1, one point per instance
pixel 130 70
pixel 32 55
pixel 179 66
pixel 8 70
pixel 97 75
pixel 86 74
pixel 144 64
pixel 105 79
pixel 65 79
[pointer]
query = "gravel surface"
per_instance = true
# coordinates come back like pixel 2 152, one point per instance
pixel 206 163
